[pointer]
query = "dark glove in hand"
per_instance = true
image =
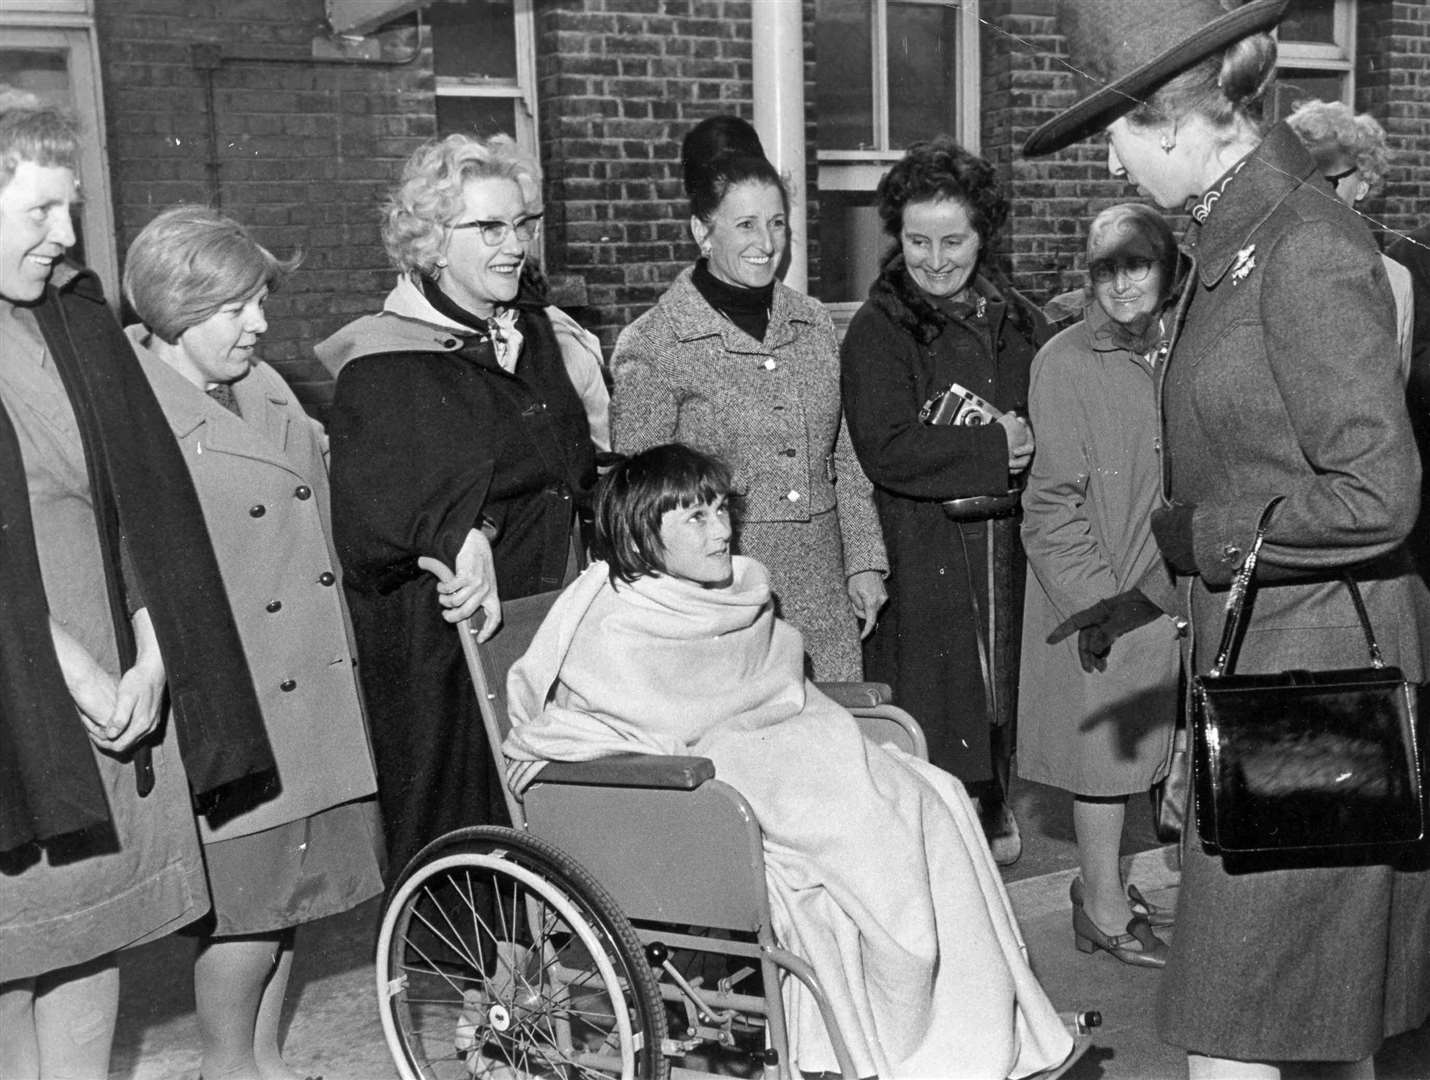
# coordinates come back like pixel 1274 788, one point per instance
pixel 1172 529
pixel 1103 623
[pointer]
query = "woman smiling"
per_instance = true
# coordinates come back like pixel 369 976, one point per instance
pixel 307 845
pixel 733 362
pixel 460 451
pixel 936 316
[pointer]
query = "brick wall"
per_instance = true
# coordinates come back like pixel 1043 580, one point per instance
pixel 1026 81
pixel 620 82
pixel 302 151
pixel 1393 85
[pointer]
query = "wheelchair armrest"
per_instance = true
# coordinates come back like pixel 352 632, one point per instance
pixel 857 695
pixel 631 770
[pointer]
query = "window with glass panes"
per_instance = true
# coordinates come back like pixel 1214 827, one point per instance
pixel 485 65
pixel 48 48
pixel 887 73
pixel 1315 54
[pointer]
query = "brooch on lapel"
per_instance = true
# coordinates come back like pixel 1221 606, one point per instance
pixel 1244 264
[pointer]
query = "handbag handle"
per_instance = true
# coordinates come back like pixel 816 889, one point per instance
pixel 1241 586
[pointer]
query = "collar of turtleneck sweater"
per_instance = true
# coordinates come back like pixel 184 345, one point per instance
pixel 748 308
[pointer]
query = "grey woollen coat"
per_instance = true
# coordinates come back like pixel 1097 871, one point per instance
pixel 1283 381
pixel 263 483
pixel 899 351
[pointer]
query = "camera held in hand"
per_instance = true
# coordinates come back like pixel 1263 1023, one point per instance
pixel 957 406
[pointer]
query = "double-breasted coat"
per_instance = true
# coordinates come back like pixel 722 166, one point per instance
pixel 771 411
pixel 1087 532
pixel 900 350
pixel 262 482
pixel 1283 381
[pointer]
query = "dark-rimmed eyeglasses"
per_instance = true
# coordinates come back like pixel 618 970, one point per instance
pixel 1335 178
pixel 1131 269
pixel 494 232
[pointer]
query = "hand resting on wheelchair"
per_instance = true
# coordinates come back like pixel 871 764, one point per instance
pixel 875 860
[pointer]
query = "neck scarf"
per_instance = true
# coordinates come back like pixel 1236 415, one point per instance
pixel 500 328
pixel 224 395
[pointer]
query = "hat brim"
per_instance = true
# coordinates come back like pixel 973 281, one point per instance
pixel 1120 97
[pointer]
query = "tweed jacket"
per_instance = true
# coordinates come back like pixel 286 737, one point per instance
pixel 262 482
pixel 1284 381
pixel 770 409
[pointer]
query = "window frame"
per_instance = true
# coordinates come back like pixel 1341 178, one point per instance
pixel 69 25
pixel 861 170
pixel 521 90
pixel 1338 57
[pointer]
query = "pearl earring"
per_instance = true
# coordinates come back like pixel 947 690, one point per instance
pixel 1166 143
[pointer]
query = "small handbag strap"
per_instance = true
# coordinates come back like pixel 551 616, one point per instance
pixel 1241 587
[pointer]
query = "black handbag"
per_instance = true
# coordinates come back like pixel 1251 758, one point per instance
pixel 1304 762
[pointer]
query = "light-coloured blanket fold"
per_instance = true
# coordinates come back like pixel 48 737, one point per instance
pixel 878 871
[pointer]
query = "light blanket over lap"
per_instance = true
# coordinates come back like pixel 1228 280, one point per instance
pixel 878 872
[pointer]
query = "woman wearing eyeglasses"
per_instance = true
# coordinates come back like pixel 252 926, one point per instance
pixel 459 453
pixel 1098 692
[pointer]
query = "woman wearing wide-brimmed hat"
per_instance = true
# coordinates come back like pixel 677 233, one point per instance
pixel 1282 381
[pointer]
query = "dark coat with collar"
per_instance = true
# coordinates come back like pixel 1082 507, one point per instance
pixel 144 502
pixel 262 481
pixel 899 351
pixel 1283 381
pixel 429 436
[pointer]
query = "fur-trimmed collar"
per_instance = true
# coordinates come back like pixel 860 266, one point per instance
pixel 895 294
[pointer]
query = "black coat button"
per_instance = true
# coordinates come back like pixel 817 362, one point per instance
pixel 791 452
pixel 303 491
pixel 274 605
pixel 326 578
pixel 257 510
pixel 288 685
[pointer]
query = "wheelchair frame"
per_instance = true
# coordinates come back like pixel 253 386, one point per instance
pixel 667 808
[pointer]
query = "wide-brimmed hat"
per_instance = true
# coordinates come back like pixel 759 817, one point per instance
pixel 1132 47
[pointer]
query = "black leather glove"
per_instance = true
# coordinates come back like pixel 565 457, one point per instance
pixel 1099 626
pixel 1172 529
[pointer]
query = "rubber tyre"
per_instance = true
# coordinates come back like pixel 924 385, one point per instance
pixel 500 956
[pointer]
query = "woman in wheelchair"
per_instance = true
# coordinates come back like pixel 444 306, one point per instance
pixel 877 867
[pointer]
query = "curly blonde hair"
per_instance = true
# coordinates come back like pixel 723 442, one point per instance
pixel 416 215
pixel 1334 134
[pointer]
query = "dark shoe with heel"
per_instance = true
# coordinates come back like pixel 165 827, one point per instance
pixel 1157 916
pixel 1125 947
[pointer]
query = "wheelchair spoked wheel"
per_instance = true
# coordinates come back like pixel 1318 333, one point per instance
pixel 499 956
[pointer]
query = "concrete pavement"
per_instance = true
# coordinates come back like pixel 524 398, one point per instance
pixel 333 1030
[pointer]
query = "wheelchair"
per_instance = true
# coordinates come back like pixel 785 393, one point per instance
pixel 586 941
